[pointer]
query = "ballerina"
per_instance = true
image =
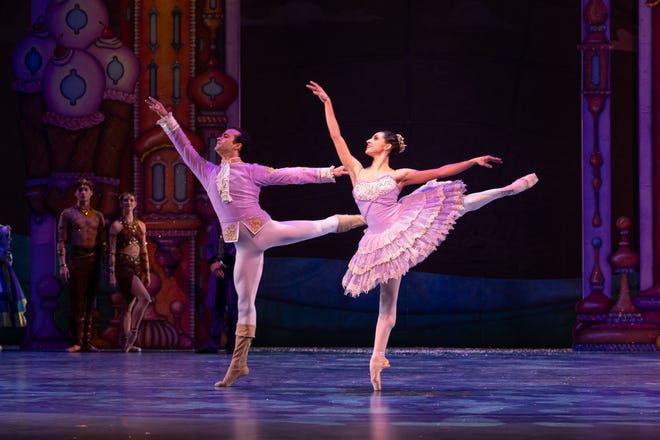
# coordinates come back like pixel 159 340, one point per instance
pixel 401 233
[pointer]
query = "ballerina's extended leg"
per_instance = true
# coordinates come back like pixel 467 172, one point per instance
pixel 474 201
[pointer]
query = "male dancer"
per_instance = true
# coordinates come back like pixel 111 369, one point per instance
pixel 233 189
pixel 84 228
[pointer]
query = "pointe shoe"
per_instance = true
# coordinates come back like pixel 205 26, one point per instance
pixel 376 365
pixel 348 222
pixel 134 349
pixel 524 183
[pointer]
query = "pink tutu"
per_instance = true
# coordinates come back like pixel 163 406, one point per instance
pixel 401 233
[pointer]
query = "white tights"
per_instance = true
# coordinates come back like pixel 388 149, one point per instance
pixel 250 250
pixel 389 295
pixel 474 201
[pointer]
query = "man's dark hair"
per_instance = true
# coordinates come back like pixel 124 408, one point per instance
pixel 85 181
pixel 244 138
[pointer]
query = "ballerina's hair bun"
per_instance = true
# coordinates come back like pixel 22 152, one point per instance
pixel 402 143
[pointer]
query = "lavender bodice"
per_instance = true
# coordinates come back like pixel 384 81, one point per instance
pixel 377 201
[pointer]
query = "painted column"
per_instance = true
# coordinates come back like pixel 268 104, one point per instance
pixel 649 148
pixel 165 37
pixel 645 75
pixel 596 175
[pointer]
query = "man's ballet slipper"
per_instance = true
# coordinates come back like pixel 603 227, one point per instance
pixel 234 372
pixel 238 366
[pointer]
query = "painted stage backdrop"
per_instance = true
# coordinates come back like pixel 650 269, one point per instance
pixel 459 79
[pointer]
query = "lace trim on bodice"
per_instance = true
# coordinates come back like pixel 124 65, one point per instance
pixel 370 190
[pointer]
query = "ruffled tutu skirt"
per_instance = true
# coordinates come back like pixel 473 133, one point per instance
pixel 426 216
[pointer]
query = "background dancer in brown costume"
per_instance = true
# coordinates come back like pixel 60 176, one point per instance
pixel 84 228
pixel 129 267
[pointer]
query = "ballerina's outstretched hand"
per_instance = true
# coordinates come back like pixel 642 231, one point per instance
pixel 318 91
pixel 485 161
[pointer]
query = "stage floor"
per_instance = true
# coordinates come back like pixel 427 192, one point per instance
pixel 326 394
